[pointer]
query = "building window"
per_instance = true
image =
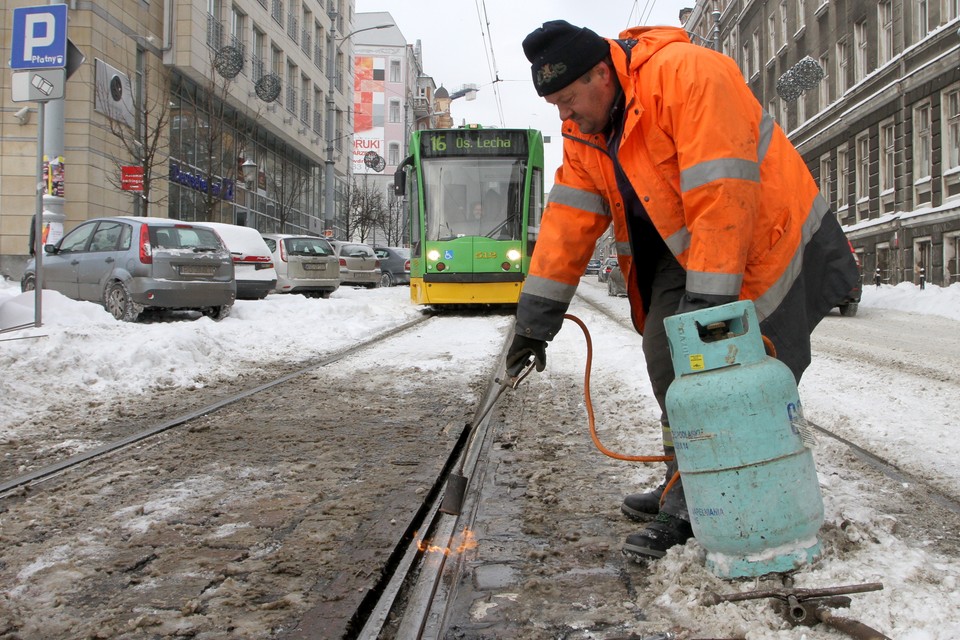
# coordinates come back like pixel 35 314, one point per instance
pixel 801 15
pixel 276 11
pixel 783 22
pixel 951 141
pixel 394 111
pixel 922 153
pixel 843 173
pixel 393 154
pixel 755 54
pixel 747 71
pixel 860 51
pixel 951 9
pixel 824 88
pixel 825 171
pixel 842 61
pixel 885 32
pixel 801 109
pixel 394 71
pixel 888 148
pixel 921 16
pixel 772 36
pixel 256 55
pixel 863 168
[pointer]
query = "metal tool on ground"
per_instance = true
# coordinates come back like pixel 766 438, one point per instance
pixel 811 606
pixel 457 482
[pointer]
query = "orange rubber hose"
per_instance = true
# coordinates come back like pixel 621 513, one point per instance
pixel 590 416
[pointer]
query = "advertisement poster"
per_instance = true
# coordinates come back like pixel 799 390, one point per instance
pixel 369 112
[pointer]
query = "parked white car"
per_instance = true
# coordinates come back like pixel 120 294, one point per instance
pixel 252 261
pixel 305 264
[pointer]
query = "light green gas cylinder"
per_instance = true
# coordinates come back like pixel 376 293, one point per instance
pixel 750 483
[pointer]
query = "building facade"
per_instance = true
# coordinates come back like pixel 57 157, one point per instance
pixel 231 111
pixel 880 130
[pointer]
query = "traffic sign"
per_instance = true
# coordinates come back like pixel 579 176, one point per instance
pixel 39 85
pixel 39 37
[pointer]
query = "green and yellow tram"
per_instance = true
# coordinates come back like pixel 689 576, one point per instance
pixel 474 197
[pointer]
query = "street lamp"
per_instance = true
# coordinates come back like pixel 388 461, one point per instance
pixel 328 213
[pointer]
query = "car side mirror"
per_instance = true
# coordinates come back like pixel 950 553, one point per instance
pixel 49 248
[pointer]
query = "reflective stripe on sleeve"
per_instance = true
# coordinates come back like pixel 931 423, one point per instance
pixel 624 249
pixel 578 199
pixel 549 289
pixel 706 172
pixel 714 284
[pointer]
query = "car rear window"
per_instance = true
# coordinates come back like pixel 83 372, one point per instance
pixel 184 238
pixel 356 251
pixel 308 247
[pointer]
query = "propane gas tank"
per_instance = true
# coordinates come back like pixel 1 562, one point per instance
pixel 750 483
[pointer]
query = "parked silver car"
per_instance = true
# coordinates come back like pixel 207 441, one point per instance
pixel 305 264
pixel 359 265
pixel 130 265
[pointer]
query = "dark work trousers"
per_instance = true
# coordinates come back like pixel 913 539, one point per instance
pixel 667 286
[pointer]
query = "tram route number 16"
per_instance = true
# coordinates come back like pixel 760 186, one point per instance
pixel 439 144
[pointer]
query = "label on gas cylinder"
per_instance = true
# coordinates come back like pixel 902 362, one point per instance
pixel 696 362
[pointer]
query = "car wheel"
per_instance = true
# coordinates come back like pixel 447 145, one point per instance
pixel 217 313
pixel 849 309
pixel 28 283
pixel 119 304
pixel 386 280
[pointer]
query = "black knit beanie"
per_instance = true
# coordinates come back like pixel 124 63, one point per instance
pixel 560 53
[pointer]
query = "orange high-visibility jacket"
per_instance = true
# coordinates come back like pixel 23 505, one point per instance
pixel 728 193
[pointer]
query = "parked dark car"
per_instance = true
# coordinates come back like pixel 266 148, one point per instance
pixel 615 283
pixel 604 272
pixel 851 303
pixel 593 267
pixel 394 265
pixel 130 265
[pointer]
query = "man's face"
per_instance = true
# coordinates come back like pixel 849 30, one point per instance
pixel 587 103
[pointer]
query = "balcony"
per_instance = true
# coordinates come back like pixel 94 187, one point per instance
pixel 214 32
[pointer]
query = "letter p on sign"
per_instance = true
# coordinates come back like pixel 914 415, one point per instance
pixel 39 33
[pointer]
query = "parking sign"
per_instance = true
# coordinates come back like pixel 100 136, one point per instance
pixel 39 37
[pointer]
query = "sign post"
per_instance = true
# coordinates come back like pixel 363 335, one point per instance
pixel 38 58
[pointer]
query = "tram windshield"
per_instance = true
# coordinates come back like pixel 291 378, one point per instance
pixel 473 197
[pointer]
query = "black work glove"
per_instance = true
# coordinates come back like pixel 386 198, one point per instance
pixel 520 352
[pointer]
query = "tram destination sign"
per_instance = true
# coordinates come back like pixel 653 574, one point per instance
pixel 473 143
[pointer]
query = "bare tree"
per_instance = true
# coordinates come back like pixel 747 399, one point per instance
pixel 394 224
pixel 366 209
pixel 141 134
pixel 208 115
pixel 287 185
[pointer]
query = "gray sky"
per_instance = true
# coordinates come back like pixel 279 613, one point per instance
pixel 454 41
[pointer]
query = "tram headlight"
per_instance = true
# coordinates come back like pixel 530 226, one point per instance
pixel 513 255
pixel 433 255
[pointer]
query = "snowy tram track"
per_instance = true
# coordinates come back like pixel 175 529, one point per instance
pixel 284 513
pixel 59 466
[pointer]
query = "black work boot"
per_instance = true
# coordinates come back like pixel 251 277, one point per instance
pixel 640 506
pixel 661 534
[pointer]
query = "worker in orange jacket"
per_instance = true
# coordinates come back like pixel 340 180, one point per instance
pixel 709 201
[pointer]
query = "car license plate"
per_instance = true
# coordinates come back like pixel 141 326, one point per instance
pixel 310 266
pixel 197 270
